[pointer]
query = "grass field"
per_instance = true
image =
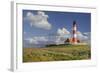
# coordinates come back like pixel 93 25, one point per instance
pixel 57 53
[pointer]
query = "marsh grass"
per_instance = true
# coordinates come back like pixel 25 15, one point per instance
pixel 57 53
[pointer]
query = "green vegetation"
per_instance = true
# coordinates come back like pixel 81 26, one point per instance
pixel 57 53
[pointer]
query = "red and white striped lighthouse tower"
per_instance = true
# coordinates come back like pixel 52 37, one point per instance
pixel 74 33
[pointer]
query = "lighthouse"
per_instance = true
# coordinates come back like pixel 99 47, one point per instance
pixel 74 33
pixel 73 39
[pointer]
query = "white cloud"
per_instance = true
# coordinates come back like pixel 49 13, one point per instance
pixel 42 14
pixel 60 40
pixel 38 20
pixel 62 32
pixel 87 33
pixel 81 36
pixel 62 35
pixel 36 40
pixel 41 38
pixel 31 41
pixel 84 37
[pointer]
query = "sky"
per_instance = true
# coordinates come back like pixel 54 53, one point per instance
pixel 41 27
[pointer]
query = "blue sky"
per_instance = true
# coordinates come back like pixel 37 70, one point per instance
pixel 48 23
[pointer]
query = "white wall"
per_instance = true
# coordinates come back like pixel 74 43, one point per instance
pixel 5 37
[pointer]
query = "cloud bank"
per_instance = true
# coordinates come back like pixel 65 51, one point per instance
pixel 57 39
